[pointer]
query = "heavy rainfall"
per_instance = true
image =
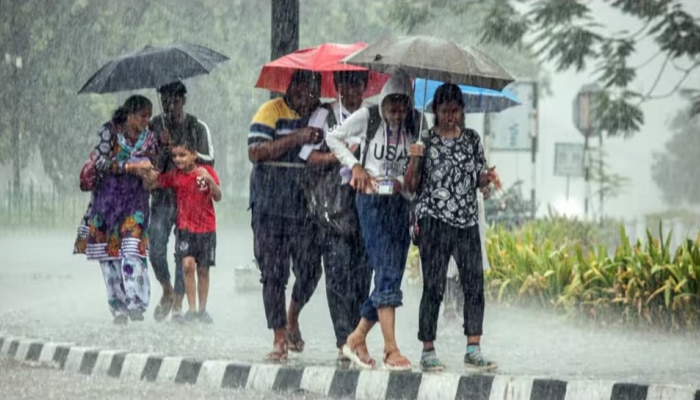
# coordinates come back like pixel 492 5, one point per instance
pixel 500 190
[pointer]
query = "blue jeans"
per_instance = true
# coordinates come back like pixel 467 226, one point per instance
pixel 384 222
pixel 163 219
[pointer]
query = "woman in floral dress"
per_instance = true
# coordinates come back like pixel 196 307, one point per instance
pixel 117 218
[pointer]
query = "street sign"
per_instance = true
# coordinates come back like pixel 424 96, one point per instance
pixel 569 160
pixel 513 129
pixel 584 110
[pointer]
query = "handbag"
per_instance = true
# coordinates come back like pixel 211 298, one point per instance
pixel 88 173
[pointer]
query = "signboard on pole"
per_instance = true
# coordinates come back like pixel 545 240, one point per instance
pixel 513 129
pixel 569 160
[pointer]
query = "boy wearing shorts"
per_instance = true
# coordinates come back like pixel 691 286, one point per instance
pixel 196 188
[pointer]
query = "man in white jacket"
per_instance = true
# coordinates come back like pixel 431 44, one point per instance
pixel 385 133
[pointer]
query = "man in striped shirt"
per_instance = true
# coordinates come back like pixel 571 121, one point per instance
pixel 173 126
pixel 284 233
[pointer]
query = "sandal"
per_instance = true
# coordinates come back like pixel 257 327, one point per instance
pixel 294 341
pixel 354 356
pixel 276 356
pixel 400 362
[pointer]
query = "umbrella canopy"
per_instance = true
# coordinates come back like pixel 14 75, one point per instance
pixel 326 59
pixel 152 67
pixel 432 58
pixel 476 100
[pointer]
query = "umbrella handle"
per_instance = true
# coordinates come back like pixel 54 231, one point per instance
pixel 160 107
pixel 422 116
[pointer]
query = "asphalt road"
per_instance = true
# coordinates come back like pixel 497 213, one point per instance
pixel 47 293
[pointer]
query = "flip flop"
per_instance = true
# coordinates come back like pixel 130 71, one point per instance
pixel 394 367
pixel 355 358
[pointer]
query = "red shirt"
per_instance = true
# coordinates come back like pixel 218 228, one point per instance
pixel 195 208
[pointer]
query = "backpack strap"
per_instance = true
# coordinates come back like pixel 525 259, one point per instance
pixel 375 119
pixel 330 119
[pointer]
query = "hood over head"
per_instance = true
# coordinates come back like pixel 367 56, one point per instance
pixel 399 83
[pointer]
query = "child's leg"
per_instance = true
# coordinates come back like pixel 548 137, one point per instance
pixel 189 267
pixel 202 286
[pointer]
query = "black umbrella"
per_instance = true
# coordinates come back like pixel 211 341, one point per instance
pixel 152 67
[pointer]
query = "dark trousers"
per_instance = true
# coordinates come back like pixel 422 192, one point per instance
pixel 163 219
pixel 281 243
pixel 348 279
pixel 384 223
pixel 437 242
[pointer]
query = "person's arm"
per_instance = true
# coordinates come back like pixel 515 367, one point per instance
pixel 106 164
pixel 205 147
pixel 322 158
pixel 482 170
pixel 212 181
pixel 262 144
pixel 352 129
pixel 412 176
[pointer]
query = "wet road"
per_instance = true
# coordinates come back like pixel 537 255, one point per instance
pixel 47 293
pixel 22 382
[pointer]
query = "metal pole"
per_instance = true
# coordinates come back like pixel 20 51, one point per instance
pixel 16 137
pixel 587 174
pixel 535 136
pixel 568 179
pixel 600 174
pixel 284 29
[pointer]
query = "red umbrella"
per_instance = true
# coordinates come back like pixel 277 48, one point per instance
pixel 275 75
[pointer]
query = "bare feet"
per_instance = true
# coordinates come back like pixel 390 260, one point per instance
pixel 294 341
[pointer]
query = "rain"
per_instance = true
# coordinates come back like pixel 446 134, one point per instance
pixel 164 192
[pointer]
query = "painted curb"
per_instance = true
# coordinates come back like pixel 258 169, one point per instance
pixel 327 381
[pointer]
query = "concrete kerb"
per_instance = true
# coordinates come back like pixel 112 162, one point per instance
pixel 326 381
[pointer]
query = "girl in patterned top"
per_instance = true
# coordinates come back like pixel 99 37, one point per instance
pixel 445 172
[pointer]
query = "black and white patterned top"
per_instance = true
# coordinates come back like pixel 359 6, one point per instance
pixel 450 178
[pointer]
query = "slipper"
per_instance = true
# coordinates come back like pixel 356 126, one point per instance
pixel 276 356
pixel 294 341
pixel 355 358
pixel 395 367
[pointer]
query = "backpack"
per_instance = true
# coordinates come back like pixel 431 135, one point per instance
pixel 329 202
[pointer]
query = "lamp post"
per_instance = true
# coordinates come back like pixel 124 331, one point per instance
pixel 588 123
pixel 16 64
pixel 284 32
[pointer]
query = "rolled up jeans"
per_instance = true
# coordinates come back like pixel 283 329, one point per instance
pixel 163 219
pixel 384 224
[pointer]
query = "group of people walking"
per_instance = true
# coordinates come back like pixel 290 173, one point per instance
pixel 386 177
pixel 401 178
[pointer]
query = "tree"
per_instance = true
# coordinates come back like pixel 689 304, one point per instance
pixel 63 42
pixel 566 33
pixel 675 170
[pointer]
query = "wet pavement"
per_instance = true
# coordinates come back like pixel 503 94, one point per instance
pixel 47 293
pixel 23 382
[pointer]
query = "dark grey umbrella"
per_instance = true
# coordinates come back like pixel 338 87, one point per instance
pixel 152 67
pixel 432 58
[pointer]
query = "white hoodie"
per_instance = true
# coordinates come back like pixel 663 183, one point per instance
pixel 382 158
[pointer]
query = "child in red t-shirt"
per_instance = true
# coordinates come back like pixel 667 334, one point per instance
pixel 196 188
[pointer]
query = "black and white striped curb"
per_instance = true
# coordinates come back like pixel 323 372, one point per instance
pixel 327 381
